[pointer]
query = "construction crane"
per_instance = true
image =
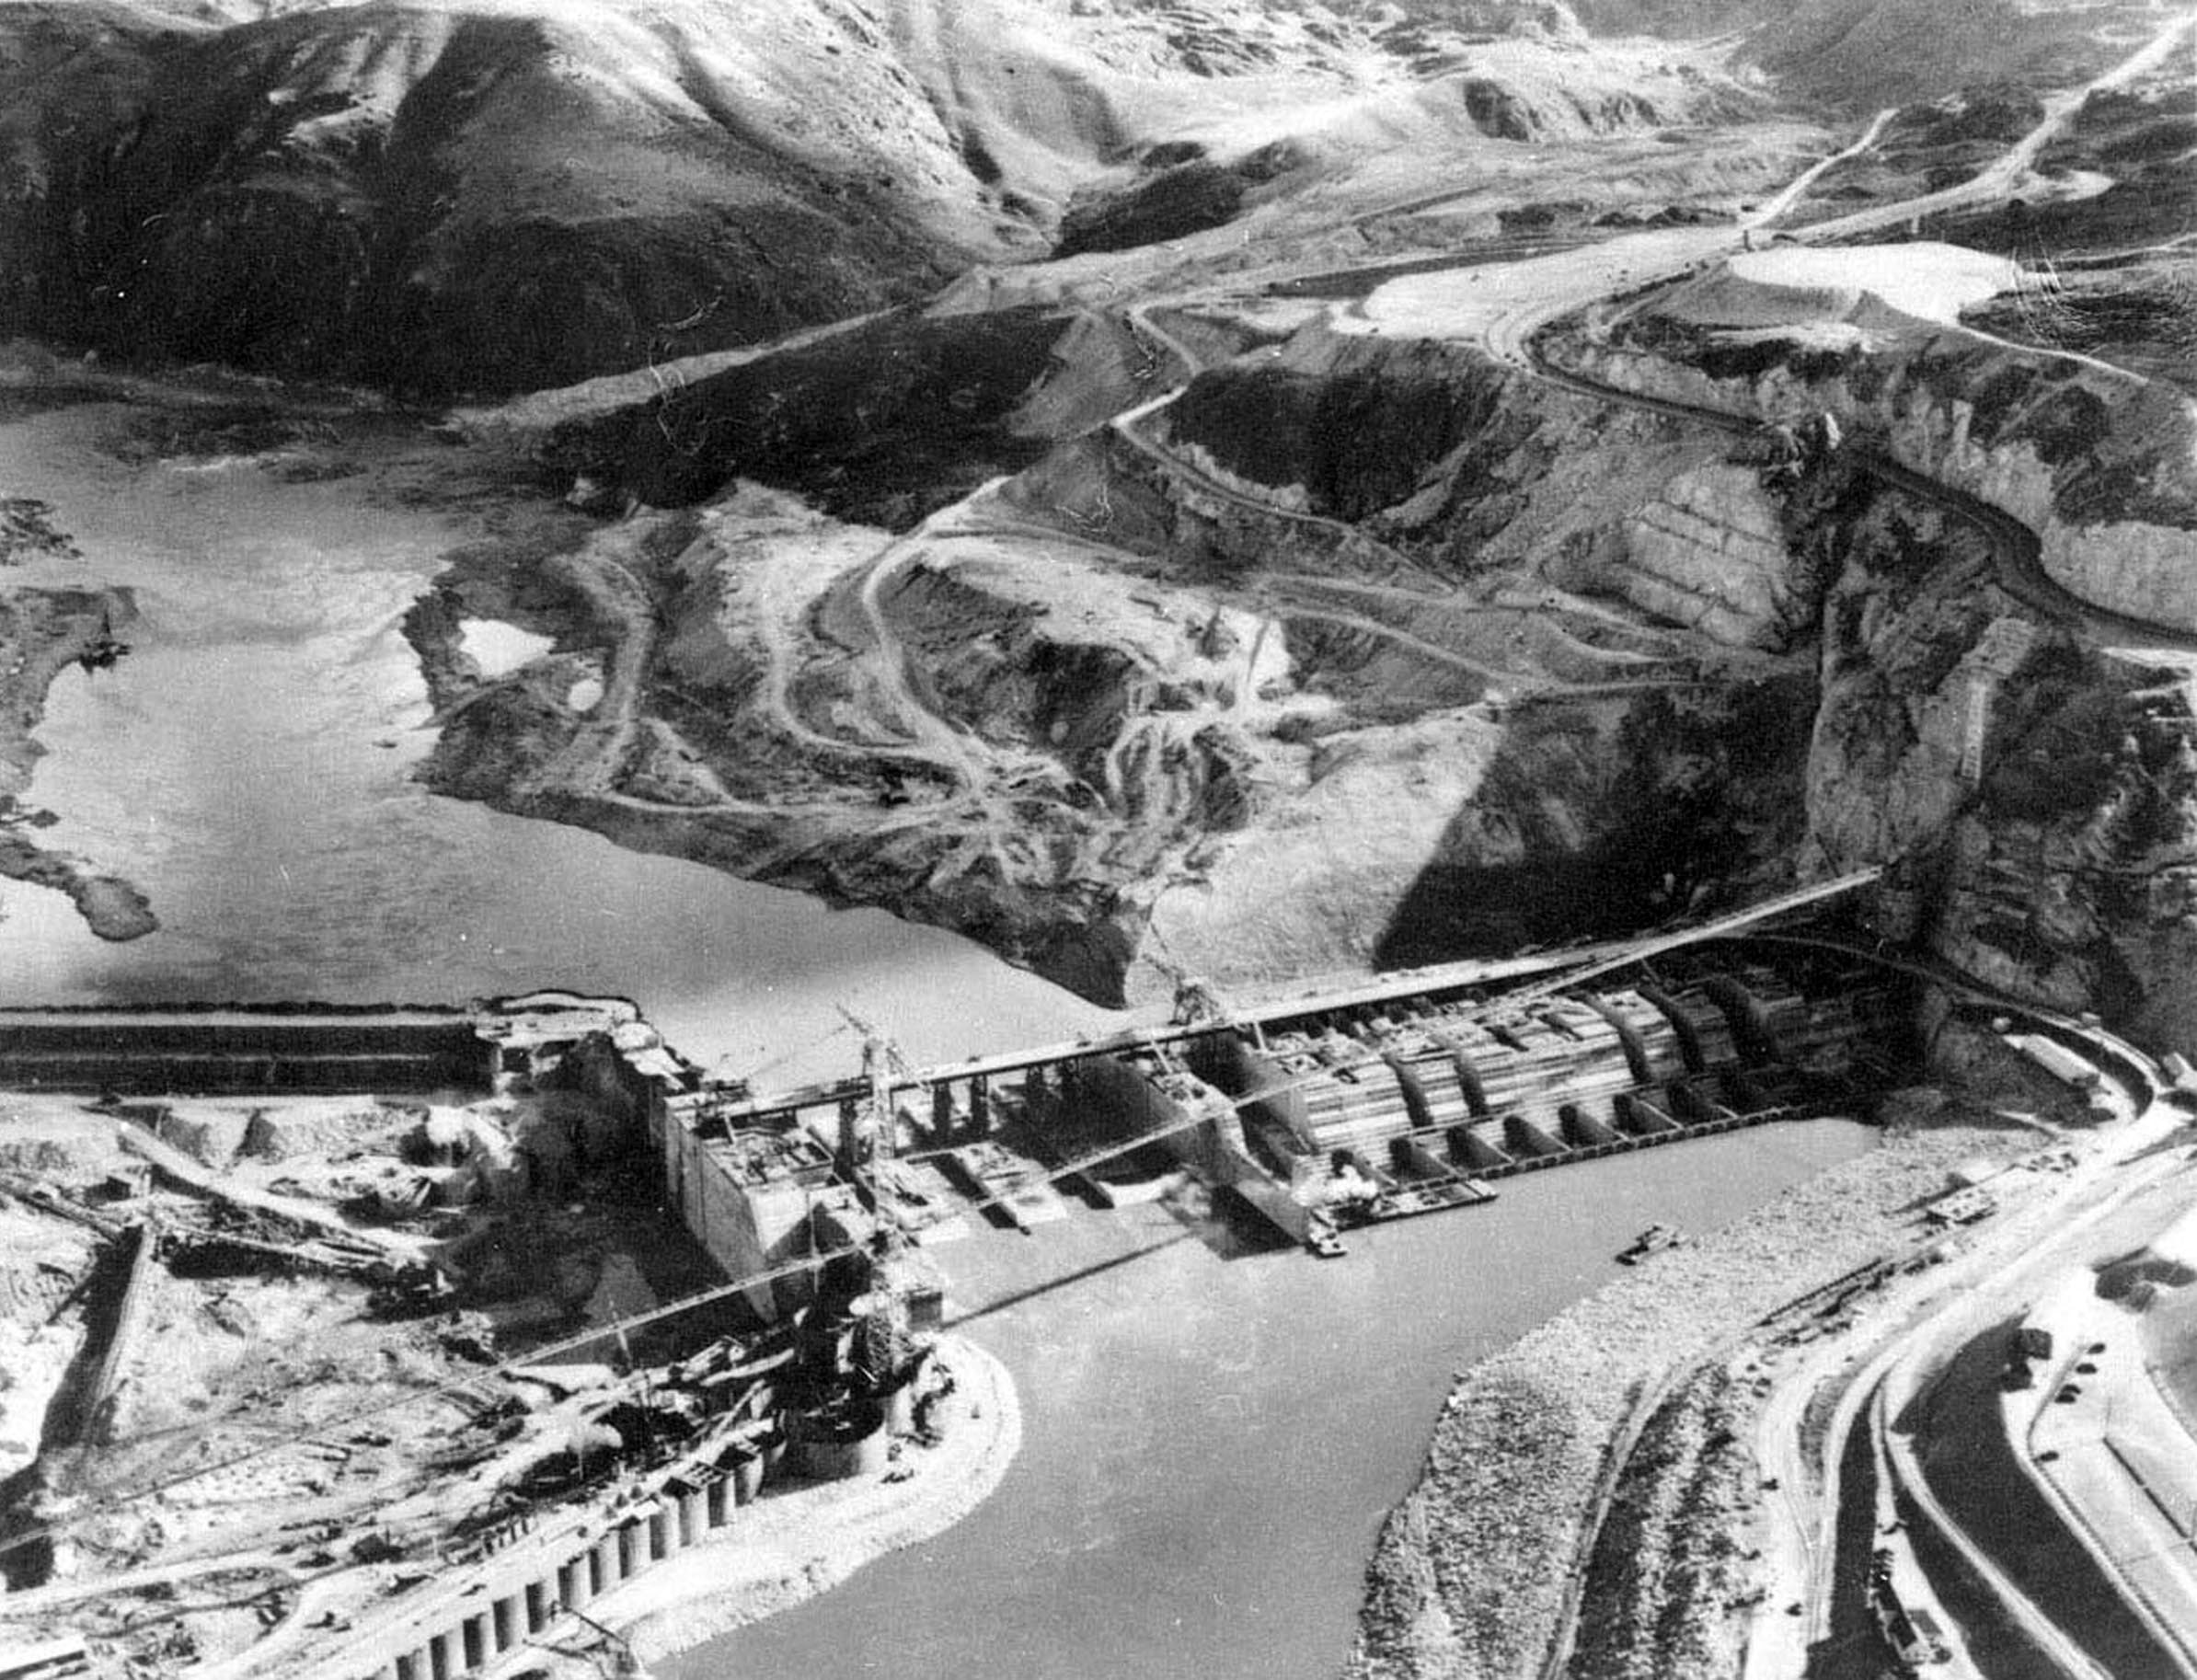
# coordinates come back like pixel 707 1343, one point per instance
pixel 868 1129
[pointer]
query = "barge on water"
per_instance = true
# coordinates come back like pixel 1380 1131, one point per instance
pixel 1653 1240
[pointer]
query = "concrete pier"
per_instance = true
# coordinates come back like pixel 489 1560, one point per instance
pixel 1582 1131
pixel 1527 1140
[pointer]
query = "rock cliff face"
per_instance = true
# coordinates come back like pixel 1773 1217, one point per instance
pixel 1994 711
pixel 1712 554
pixel 2100 464
pixel 2043 791
pixel 2035 790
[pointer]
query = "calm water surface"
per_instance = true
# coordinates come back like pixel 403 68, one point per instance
pixel 250 767
pixel 1211 1442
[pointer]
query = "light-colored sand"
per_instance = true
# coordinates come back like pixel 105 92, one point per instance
pixel 499 649
pixel 793 1544
pixel 1475 302
pixel 1920 278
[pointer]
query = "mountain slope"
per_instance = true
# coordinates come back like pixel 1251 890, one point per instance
pixel 447 195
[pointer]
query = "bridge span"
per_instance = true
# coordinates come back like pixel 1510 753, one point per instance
pixel 1544 973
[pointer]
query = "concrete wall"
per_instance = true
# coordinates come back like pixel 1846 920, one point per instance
pixel 240 1051
pixel 484 1626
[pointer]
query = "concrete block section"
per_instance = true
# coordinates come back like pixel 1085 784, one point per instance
pixel 1583 1130
pixel 1468 1149
pixel 1693 1103
pixel 1412 1155
pixel 1526 1139
pixel 1642 1117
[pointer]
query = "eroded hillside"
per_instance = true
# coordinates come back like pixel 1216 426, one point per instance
pixel 1251 585
pixel 1365 647
pixel 467 195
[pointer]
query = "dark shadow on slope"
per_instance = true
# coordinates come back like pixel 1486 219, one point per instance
pixel 881 424
pixel 1972 1469
pixel 1582 830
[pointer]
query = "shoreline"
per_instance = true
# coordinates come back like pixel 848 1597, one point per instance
pixel 1459 1582
pixel 791 1546
pixel 43 630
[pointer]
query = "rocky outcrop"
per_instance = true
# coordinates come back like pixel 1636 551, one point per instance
pixel 1712 554
pixel 2101 465
pixel 1976 724
pixel 2041 793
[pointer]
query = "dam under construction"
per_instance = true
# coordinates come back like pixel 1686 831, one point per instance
pixel 813 1355
pixel 1363 1101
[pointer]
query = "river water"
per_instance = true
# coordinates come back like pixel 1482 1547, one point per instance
pixel 1212 1435
pixel 248 767
pixel 1211 1439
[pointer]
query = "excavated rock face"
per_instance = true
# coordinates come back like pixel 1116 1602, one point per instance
pixel 1711 553
pixel 2100 464
pixel 2042 794
pixel 2021 755
pixel 2034 791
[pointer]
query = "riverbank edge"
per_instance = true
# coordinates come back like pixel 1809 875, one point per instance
pixel 1469 1574
pixel 42 632
pixel 789 1547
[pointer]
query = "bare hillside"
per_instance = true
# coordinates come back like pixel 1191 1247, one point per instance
pixel 467 195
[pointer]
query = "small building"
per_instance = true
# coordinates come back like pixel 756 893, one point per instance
pixel 2057 1059
pixel 1962 1207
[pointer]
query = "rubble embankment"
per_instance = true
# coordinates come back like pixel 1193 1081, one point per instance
pixel 803 1538
pixel 1471 1573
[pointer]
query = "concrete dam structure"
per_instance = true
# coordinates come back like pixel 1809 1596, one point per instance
pixel 1375 1110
